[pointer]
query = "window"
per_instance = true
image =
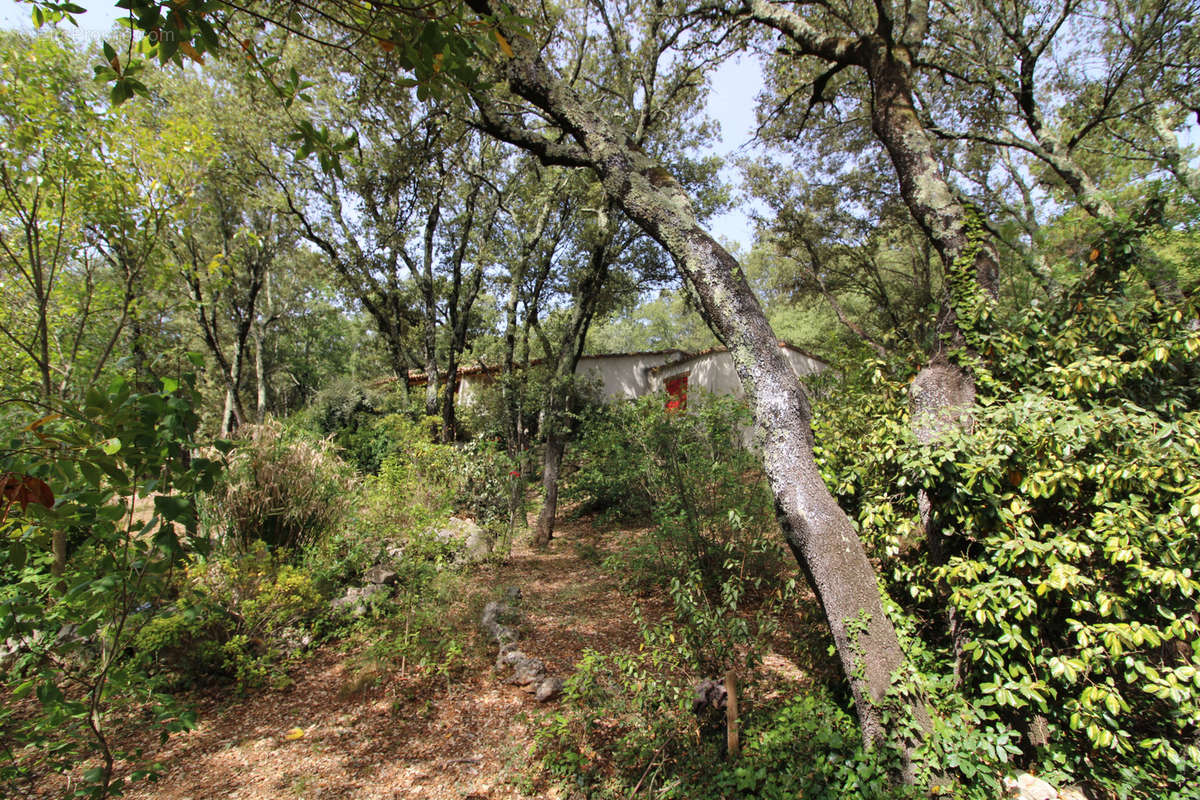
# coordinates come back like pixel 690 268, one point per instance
pixel 676 387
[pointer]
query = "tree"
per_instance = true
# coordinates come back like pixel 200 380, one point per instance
pixel 814 526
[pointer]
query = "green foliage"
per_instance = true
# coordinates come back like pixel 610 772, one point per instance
pixel 120 469
pixel 704 490
pixel 359 419
pixel 231 617
pixel 1068 517
pixel 280 488
pixel 627 727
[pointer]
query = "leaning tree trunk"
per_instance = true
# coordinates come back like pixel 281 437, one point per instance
pixel 814 526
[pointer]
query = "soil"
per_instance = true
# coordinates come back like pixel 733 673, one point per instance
pixel 350 727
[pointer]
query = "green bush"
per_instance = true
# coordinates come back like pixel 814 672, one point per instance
pixel 281 488
pixel 75 625
pixel 354 416
pixel 231 616
pixel 627 728
pixel 1063 586
pixel 705 492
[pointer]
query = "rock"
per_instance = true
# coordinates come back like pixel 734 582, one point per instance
pixel 1027 787
pixel 380 575
pixel 469 541
pixel 293 640
pixel 710 694
pixel 528 670
pixel 502 634
pixel 356 600
pixel 1072 793
pixel 548 690
pixel 508 657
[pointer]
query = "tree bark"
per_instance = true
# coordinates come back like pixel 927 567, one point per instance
pixel 555 446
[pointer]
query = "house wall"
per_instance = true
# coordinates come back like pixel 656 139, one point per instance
pixel 470 386
pixel 626 377
pixel 714 372
pixel 623 377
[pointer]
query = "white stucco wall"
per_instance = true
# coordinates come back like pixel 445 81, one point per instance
pixel 623 377
pixel 714 372
pixel 469 387
pixel 626 377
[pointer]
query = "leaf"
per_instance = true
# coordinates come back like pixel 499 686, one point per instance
pixel 191 52
pixel 173 507
pixel 294 734
pixel 39 423
pixel 505 47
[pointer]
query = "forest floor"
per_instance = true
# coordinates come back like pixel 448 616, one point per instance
pixel 369 732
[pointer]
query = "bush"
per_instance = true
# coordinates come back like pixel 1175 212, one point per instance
pixel 354 416
pixel 705 492
pixel 281 488
pixel 627 728
pixel 232 618
pixel 1062 590
pixel 94 468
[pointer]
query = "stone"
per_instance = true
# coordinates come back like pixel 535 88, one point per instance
pixel 528 670
pixel 548 690
pixel 1027 787
pixel 1072 793
pixel 502 634
pixel 469 541
pixel 508 657
pixel 710 694
pixel 357 599
pixel 380 575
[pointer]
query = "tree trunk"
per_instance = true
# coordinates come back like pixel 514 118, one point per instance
pixel 555 445
pixel 233 414
pixel 943 392
pixel 449 418
pixel 260 380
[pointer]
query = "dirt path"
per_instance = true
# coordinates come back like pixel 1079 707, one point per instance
pixel 380 741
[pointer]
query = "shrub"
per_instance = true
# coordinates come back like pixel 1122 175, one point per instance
pixel 1062 589
pixel 354 416
pixel 231 618
pixel 74 624
pixel 280 488
pixel 627 728
pixel 705 492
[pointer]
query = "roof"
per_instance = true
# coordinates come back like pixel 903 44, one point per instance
pixel 416 378
pixel 720 349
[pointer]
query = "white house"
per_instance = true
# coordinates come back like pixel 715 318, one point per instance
pixel 625 376
pixel 712 370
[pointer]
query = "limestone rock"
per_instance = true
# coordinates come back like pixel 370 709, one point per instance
pixel 710 694
pixel 357 600
pixel 469 541
pixel 528 670
pixel 1027 787
pixel 380 575
pixel 548 690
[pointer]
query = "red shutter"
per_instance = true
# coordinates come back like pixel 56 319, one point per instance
pixel 676 392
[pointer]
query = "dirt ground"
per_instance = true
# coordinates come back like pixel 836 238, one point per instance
pixel 339 731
